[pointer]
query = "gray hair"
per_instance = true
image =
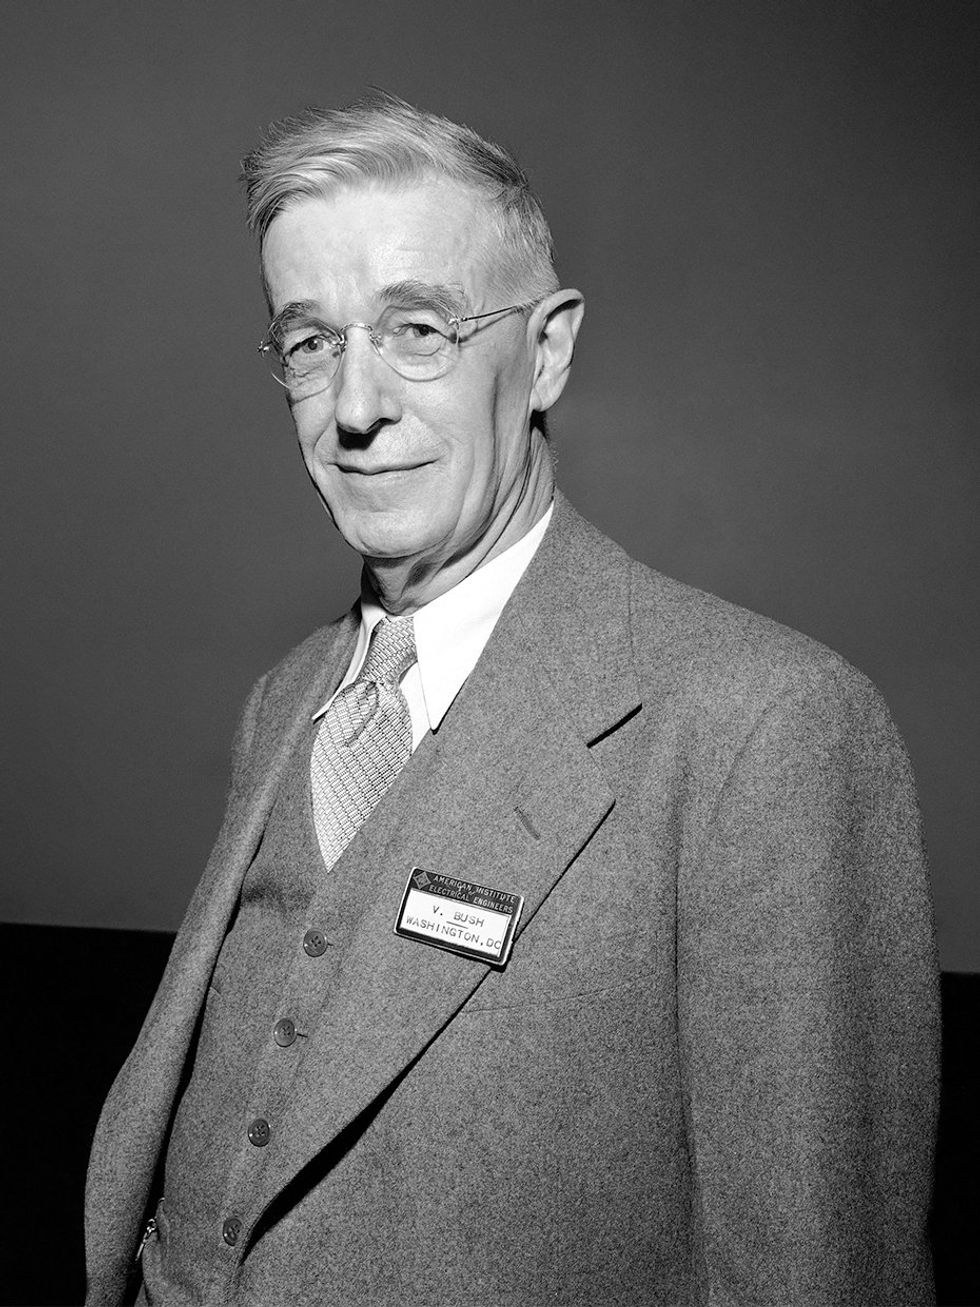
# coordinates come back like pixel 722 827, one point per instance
pixel 383 139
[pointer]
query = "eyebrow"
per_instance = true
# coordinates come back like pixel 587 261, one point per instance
pixel 291 313
pixel 412 294
pixel 449 300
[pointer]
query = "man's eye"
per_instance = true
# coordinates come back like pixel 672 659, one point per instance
pixel 410 327
pixel 308 347
pixel 414 330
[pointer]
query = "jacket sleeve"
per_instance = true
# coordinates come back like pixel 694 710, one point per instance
pixel 808 1011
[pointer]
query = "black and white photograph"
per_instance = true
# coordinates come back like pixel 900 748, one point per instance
pixel 491 661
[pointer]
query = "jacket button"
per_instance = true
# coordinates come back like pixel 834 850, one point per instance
pixel 230 1231
pixel 259 1133
pixel 315 943
pixel 284 1032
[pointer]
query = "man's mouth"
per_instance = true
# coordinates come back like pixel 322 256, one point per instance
pixel 379 469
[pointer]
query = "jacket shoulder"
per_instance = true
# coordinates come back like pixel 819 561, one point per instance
pixel 727 660
pixel 311 652
pixel 307 660
pixel 284 691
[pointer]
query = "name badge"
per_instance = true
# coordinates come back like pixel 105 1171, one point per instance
pixel 459 915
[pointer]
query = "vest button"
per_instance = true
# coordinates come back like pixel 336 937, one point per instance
pixel 230 1231
pixel 315 943
pixel 284 1032
pixel 259 1133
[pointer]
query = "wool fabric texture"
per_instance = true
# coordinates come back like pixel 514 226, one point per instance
pixel 708 1073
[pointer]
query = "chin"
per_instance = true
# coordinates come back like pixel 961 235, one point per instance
pixel 388 536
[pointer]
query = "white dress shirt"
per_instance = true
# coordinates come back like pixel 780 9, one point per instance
pixel 450 633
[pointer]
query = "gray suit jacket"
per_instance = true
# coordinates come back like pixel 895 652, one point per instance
pixel 708 1073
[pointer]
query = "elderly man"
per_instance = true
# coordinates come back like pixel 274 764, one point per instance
pixel 567 939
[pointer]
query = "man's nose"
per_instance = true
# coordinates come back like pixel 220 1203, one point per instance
pixel 366 388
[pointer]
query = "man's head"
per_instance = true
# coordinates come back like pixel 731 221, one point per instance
pixel 380 214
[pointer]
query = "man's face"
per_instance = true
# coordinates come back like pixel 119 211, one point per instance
pixel 414 470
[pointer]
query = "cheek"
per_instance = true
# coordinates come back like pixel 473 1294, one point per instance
pixel 509 398
pixel 311 426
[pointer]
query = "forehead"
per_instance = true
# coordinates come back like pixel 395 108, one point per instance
pixel 341 249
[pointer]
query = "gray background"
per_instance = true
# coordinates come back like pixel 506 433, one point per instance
pixel 772 211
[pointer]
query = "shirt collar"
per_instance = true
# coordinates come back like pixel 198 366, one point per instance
pixel 452 630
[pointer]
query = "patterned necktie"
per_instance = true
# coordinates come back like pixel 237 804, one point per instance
pixel 364 740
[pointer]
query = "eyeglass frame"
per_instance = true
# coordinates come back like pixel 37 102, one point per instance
pixel 454 320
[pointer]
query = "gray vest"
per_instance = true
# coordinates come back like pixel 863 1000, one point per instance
pixel 272 981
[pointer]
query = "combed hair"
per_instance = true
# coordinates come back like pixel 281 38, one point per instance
pixel 381 138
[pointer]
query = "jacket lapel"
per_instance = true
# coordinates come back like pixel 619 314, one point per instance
pixel 506 794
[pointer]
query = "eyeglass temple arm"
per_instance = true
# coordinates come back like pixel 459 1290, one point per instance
pixel 510 308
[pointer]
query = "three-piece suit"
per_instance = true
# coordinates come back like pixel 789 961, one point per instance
pixel 707 1073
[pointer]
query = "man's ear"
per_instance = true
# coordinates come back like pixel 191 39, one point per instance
pixel 554 324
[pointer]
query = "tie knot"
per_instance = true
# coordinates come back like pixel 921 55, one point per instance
pixel 391 651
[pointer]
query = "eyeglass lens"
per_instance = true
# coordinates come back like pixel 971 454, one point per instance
pixel 419 344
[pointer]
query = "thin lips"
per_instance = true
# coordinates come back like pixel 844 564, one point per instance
pixel 378 471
